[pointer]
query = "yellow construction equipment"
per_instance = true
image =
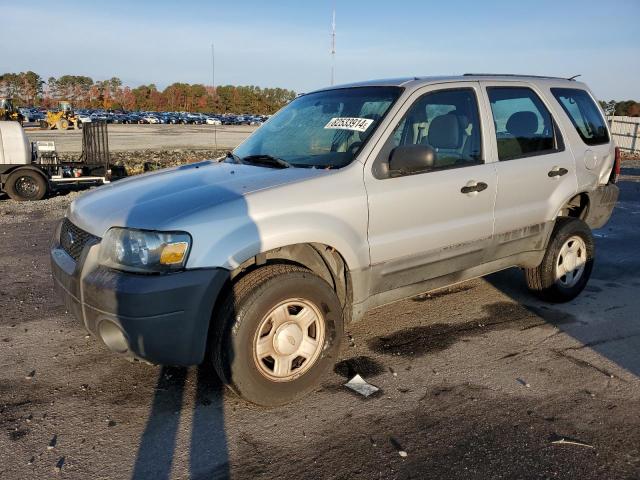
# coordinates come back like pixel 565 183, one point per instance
pixel 63 118
pixel 8 112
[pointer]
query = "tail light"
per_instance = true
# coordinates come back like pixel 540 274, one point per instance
pixel 615 172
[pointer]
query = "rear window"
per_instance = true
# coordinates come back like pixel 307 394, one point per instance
pixel 584 114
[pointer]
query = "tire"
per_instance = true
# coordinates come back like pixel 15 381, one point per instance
pixel 26 185
pixel 571 249
pixel 62 124
pixel 44 125
pixel 78 124
pixel 247 319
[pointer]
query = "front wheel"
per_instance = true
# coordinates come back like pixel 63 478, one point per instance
pixel 279 333
pixel 567 263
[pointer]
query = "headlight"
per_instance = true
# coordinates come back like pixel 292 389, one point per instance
pixel 144 251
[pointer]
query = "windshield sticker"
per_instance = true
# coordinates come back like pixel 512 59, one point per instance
pixel 349 123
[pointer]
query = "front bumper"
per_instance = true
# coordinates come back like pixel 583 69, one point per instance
pixel 163 319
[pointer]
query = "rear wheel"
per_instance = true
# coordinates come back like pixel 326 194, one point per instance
pixel 567 263
pixel 26 185
pixel 44 124
pixel 280 332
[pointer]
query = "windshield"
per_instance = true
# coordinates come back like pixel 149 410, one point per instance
pixel 324 129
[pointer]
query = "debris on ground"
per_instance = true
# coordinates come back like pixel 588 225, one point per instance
pixel 561 440
pixel 30 375
pixel 523 382
pixel 59 465
pixel 359 385
pixel 396 444
pixel 52 443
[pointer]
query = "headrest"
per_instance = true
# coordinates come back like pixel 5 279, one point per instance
pixel 444 132
pixel 522 124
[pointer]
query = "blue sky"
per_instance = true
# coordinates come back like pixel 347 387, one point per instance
pixel 286 43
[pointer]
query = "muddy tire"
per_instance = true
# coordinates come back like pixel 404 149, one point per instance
pixel 279 331
pixel 44 125
pixel 26 185
pixel 567 263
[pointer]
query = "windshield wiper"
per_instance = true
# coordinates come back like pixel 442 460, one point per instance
pixel 267 160
pixel 234 157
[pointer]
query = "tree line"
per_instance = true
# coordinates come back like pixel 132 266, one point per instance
pixel 29 89
pixel 629 108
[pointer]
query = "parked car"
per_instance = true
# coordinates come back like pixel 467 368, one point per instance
pixel 213 121
pixel 30 114
pixel 149 118
pixel 376 192
pixel 228 120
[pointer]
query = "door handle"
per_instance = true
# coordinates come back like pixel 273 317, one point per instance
pixel 557 172
pixel 476 187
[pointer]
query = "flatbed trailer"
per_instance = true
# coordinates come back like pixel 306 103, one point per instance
pixel 31 171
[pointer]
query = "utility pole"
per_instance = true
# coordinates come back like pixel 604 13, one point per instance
pixel 213 68
pixel 333 44
pixel 215 94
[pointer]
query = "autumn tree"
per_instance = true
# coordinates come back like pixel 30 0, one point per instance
pixel 28 88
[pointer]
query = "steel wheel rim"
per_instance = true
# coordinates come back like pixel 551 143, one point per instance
pixel 26 187
pixel 289 340
pixel 571 262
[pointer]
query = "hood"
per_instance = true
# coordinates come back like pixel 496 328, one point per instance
pixel 160 200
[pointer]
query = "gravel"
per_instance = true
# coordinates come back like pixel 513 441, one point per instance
pixel 134 160
pixel 450 395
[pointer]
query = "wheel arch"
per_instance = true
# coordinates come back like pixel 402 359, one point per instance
pixel 323 260
pixel 577 206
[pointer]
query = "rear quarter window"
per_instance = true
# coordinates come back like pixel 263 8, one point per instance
pixel 584 114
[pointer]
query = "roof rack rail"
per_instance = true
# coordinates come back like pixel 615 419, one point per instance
pixel 512 75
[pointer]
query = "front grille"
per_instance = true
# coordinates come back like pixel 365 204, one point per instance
pixel 74 239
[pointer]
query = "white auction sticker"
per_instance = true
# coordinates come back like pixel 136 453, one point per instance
pixel 349 123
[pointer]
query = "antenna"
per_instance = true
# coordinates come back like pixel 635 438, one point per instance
pixel 213 84
pixel 333 43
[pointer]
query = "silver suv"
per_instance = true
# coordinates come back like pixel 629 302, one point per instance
pixel 348 198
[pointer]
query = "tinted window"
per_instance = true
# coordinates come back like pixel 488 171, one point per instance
pixel 584 114
pixel 523 124
pixel 446 120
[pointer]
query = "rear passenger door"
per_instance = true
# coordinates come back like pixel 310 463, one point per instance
pixel 536 172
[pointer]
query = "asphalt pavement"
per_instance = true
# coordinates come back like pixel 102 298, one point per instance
pixel 477 381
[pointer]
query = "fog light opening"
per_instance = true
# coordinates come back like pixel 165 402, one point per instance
pixel 113 337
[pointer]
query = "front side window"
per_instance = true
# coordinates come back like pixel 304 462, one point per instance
pixel 523 124
pixel 447 121
pixel 584 114
pixel 325 129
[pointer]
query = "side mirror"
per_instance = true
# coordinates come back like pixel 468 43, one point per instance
pixel 408 159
